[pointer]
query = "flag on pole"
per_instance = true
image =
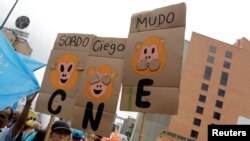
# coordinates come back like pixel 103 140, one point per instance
pixel 16 77
pixel 31 63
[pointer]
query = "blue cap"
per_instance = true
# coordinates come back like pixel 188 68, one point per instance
pixel 77 134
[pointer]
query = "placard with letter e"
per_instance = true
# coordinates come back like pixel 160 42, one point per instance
pixel 153 60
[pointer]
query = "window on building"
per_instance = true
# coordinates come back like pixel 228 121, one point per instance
pixel 194 134
pixel 216 115
pixel 212 48
pixel 202 98
pixel 228 54
pixel 197 122
pixel 226 64
pixel 221 92
pixel 210 59
pixel 219 104
pixel 207 73
pixel 199 109
pixel 204 87
pixel 223 79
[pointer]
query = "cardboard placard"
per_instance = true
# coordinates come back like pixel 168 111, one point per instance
pixel 73 42
pixel 100 86
pixel 83 72
pixel 108 47
pixel 59 104
pixel 103 128
pixel 61 79
pixel 153 60
pixel 172 16
pixel 95 64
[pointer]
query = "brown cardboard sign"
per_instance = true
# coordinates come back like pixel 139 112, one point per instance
pixel 153 60
pixel 162 18
pixel 82 82
pixel 103 128
pixel 61 79
pixel 73 42
pixel 158 101
pixel 101 83
pixel 63 71
pixel 108 47
pixel 57 103
pixel 100 86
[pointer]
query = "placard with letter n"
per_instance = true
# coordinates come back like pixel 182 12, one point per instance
pixel 100 86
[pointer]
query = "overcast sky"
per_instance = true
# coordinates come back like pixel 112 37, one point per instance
pixel 225 20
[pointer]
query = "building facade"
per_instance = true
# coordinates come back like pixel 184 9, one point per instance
pixel 214 87
pixel 128 126
pixel 18 42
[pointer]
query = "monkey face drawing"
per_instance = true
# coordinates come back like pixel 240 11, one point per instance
pixel 99 86
pixel 64 72
pixel 150 56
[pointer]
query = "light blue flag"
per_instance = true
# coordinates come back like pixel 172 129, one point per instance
pixel 16 78
pixel 31 63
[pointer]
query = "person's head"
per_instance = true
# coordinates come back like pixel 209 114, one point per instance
pixel 77 135
pixel 28 124
pixel 16 115
pixel 91 136
pixel 36 125
pixel 60 131
pixel 5 116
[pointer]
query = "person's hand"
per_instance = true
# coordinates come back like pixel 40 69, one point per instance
pixel 30 98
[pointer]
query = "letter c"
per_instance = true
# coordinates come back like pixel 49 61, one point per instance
pixel 63 97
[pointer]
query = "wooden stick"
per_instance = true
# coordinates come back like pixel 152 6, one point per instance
pixel 51 121
pixel 142 126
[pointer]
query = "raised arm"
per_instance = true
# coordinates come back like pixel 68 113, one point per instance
pixel 23 116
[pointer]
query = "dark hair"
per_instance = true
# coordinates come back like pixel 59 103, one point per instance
pixel 11 112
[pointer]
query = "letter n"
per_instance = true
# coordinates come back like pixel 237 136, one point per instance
pixel 88 116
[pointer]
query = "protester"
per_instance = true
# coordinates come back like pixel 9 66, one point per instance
pixel 25 130
pixel 10 134
pixel 39 135
pixel 90 137
pixel 34 128
pixel 60 130
pixel 16 115
pixel 5 116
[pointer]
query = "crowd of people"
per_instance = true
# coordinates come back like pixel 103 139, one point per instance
pixel 16 126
